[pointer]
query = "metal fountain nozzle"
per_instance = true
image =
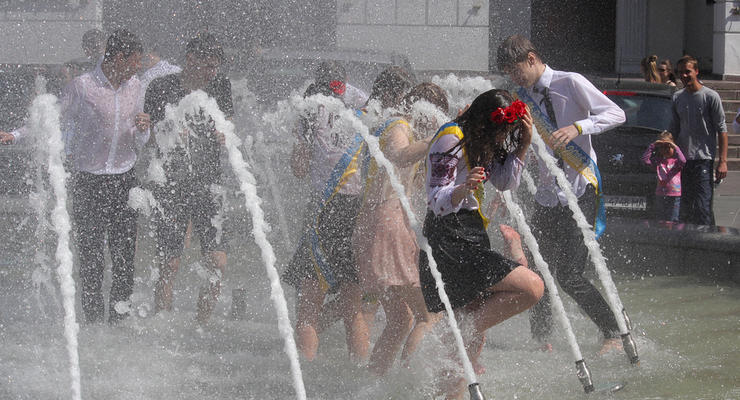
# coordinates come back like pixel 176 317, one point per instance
pixel 475 393
pixel 584 375
pixel 627 320
pixel 630 348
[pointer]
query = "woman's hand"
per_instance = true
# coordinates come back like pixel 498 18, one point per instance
pixel 475 177
pixel 526 135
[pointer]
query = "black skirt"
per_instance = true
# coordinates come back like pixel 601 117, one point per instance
pixel 462 250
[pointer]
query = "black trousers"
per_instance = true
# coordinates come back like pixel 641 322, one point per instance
pixel 697 192
pixel 99 208
pixel 562 247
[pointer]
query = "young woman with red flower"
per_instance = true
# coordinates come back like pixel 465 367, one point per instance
pixel 488 141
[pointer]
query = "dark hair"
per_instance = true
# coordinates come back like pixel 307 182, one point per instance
pixel 92 39
pixel 669 67
pixel 205 45
pixel 329 71
pixel 514 49
pixel 688 59
pixel 426 91
pixel 122 42
pixel 390 86
pixel 485 141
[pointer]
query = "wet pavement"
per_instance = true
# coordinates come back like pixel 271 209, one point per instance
pixel 727 201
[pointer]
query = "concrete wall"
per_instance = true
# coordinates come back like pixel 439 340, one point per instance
pixel 46 37
pixel 433 34
pixel 665 30
pixel 698 28
pixel 727 38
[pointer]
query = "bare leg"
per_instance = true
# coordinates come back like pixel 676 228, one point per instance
pixel 398 325
pixel 310 300
pixel 208 295
pixel 358 337
pixel 424 321
pixel 163 288
pixel 517 292
pixel 514 241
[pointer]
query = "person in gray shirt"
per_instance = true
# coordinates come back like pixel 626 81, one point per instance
pixel 699 124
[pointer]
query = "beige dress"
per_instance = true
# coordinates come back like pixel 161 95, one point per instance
pixel 384 245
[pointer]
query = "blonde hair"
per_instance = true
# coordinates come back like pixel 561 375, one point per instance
pixel 649 67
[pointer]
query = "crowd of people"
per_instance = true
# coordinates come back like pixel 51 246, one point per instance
pixel 357 242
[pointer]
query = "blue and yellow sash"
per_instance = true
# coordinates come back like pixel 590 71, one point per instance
pixel 369 165
pixel 452 128
pixel 572 154
pixel 340 174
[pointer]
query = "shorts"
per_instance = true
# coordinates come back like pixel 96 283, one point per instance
pixel 462 250
pixel 336 222
pixel 181 204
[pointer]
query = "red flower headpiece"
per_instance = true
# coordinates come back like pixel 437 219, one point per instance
pixel 338 87
pixel 509 114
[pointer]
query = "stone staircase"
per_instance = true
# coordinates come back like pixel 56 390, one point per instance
pixel 730 93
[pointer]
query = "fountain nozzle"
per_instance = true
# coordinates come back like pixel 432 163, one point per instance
pixel 475 393
pixel 627 320
pixel 630 348
pixel 584 375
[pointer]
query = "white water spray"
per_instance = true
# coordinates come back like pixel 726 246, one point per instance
pixel 557 303
pixel 44 122
pixel 349 119
pixel 193 104
pixel 589 236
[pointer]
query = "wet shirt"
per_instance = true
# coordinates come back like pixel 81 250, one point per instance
pixel 446 171
pixel 697 119
pixel 574 100
pixel 98 123
pixel 328 144
pixel 200 158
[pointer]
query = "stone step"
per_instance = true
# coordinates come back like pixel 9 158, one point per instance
pixel 732 151
pixel 733 140
pixel 721 85
pixel 730 105
pixel 729 94
pixel 733 164
pixel 729 117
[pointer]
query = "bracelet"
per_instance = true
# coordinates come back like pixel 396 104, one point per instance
pixel 578 127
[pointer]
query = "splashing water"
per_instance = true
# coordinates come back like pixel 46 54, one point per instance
pixel 557 303
pixel 193 104
pixel 589 236
pixel 44 122
pixel 348 120
pixel 462 91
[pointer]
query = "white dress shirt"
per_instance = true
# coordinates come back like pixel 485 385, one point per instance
pixel 574 100
pixel 98 123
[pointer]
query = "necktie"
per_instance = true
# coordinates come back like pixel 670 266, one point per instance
pixel 545 92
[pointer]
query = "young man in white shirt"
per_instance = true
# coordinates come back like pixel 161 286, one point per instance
pixel 102 118
pixel 577 109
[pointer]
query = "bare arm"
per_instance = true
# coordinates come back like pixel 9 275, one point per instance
pixel 722 164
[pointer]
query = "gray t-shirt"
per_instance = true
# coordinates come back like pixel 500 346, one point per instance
pixel 697 120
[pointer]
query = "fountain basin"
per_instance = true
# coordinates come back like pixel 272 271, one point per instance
pixel 648 247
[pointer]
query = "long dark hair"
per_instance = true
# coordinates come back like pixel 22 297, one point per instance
pixel 485 141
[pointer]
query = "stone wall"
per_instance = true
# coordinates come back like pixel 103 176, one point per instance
pixel 35 33
pixel 433 34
